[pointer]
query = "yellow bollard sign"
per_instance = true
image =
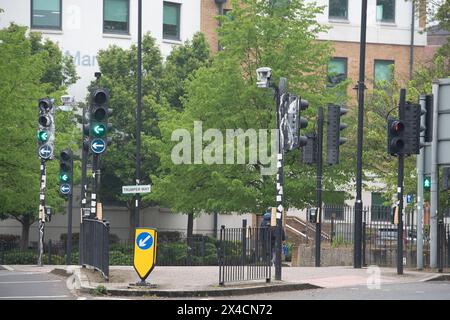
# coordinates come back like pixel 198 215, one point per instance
pixel 145 251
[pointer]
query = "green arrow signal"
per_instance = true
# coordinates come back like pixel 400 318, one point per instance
pixel 64 177
pixel 99 130
pixel 43 136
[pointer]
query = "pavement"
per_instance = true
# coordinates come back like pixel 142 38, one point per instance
pixel 203 281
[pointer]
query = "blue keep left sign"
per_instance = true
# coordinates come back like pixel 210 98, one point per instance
pixel 144 241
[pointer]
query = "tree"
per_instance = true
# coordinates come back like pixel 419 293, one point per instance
pixel 162 88
pixel 224 96
pixel 27 76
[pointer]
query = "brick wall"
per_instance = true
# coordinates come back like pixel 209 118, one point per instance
pixel 350 50
pixel 209 24
pixel 398 53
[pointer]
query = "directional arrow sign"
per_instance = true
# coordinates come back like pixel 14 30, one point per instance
pixel 98 146
pixel 65 188
pixel 45 152
pixel 145 251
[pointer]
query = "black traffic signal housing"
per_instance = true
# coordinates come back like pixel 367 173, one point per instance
pixel 291 112
pixel 446 179
pixel 335 126
pixel 303 122
pixel 309 150
pixel 396 136
pixel 428 132
pixel 98 121
pixel 65 172
pixel 411 119
pixel 46 129
pixel 293 106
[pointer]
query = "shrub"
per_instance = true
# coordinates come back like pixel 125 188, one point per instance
pixel 117 258
pixel 99 291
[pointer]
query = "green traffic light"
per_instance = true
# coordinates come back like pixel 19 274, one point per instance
pixel 427 183
pixel 99 130
pixel 43 136
pixel 64 177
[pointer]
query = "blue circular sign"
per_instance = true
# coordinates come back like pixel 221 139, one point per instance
pixel 98 145
pixel 144 241
pixel 65 188
pixel 45 151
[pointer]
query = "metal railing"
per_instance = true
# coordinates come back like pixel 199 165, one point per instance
pixel 94 245
pixel 245 254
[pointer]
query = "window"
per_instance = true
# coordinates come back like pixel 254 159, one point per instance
pixel 46 14
pixel 383 71
pixel 386 10
pixel 116 16
pixel 337 70
pixel 171 21
pixel 378 210
pixel 338 9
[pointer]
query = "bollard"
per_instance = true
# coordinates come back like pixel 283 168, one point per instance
pixel 50 251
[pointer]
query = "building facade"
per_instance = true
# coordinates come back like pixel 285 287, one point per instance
pixel 83 27
pixel 389 37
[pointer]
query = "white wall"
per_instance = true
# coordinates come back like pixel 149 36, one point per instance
pixel 82 30
pixel 377 32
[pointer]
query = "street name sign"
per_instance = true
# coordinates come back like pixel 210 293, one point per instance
pixel 136 189
pixel 145 244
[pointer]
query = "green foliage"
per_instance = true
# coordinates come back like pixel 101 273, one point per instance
pixel 223 95
pixel 383 101
pixel 339 241
pixel 99 291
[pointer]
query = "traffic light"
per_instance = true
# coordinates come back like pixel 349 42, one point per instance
pixel 291 125
pixel 309 150
pixel 303 105
pixel 411 119
pixel 294 123
pixel 427 183
pixel 66 172
pixel 396 140
pixel 335 126
pixel 428 118
pixel 46 129
pixel 446 179
pixel 98 121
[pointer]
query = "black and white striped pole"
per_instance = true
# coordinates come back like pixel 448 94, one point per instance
pixel 42 211
pixel 264 75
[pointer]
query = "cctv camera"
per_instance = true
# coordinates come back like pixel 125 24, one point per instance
pixel 263 76
pixel 67 100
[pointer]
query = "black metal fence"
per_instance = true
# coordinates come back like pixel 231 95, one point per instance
pixel 245 254
pixel 95 232
pixel 380 235
pixel 54 253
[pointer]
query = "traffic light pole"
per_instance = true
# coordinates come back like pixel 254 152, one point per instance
pixel 361 86
pixel 138 114
pixel 69 226
pixel 96 176
pixel 400 175
pixel 319 184
pixel 279 183
pixel 42 211
pixel 420 197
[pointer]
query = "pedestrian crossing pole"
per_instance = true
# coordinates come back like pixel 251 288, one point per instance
pixel 42 211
